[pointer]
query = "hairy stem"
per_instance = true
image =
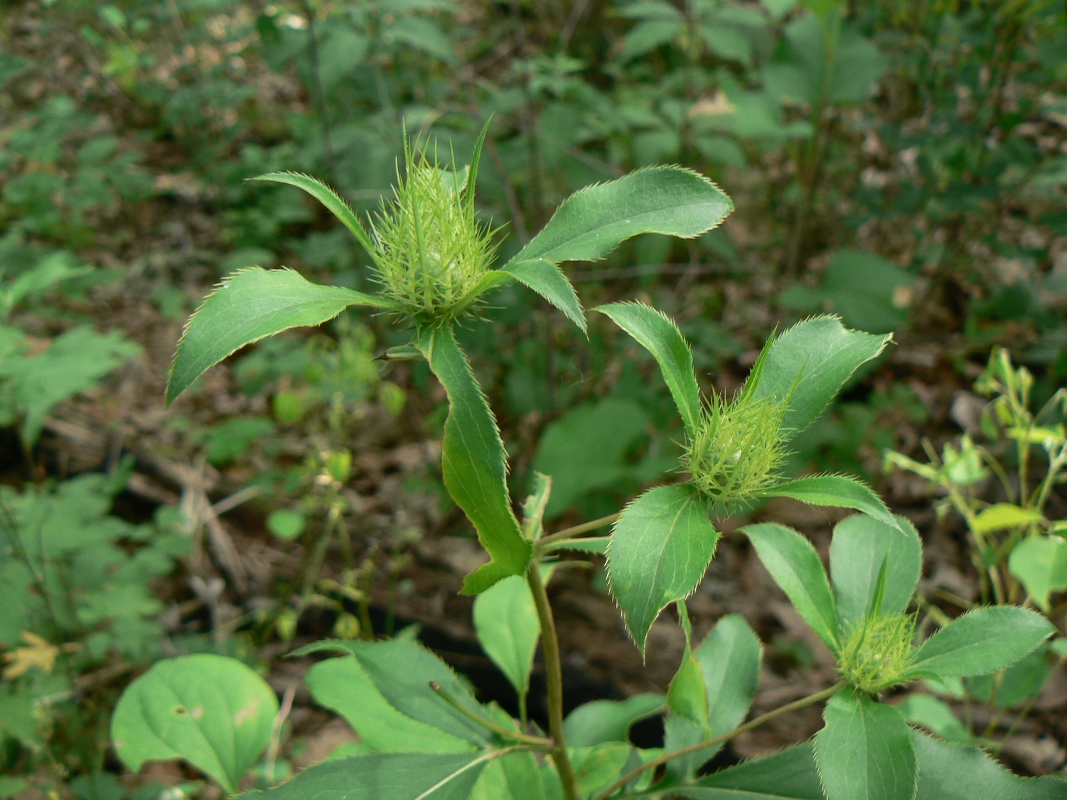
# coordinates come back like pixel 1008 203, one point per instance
pixel 554 681
pixel 577 530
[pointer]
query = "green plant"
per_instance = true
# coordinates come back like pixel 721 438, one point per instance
pixel 37 375
pixel 1018 552
pixel 75 583
pixel 423 733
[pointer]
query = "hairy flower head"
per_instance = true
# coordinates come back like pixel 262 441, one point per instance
pixel 431 255
pixel 877 652
pixel 737 450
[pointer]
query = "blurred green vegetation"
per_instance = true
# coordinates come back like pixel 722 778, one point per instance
pixel 901 164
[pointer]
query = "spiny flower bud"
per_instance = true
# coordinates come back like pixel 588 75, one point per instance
pixel 431 254
pixel 737 450
pixel 877 652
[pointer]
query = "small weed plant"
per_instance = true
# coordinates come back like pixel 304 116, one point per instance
pixel 423 732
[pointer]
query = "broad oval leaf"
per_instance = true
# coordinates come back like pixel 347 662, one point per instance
pixel 251 305
pixel 980 642
pixel 729 660
pixel 385 776
pixel 604 721
pixel 809 364
pixel 511 776
pixel 545 278
pixel 660 548
pixel 658 334
pixel 402 672
pixel 594 221
pixel 505 620
pixel 1040 564
pixel 860 547
pixel 839 491
pixel 212 711
pixel 473 462
pixel 865 750
pixel 788 775
pixel 343 686
pixel 796 568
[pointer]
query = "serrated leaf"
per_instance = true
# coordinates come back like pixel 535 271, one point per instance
pixel 660 548
pixel 860 547
pixel 328 197
pixel 473 462
pixel 384 776
pixel 248 306
pixel 979 642
pixel 796 568
pixel 212 711
pixel 659 335
pixel 1002 516
pixel 809 364
pixel 958 772
pixel 1040 564
pixel 865 750
pixel 343 686
pixel 545 278
pixel 602 721
pixel 839 491
pixel 594 221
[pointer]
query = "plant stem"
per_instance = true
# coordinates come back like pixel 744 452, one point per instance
pixel 554 682
pixel 818 697
pixel 577 530
pixel 535 742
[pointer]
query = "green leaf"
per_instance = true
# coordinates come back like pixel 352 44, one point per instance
pixel 1002 516
pixel 402 672
pixel 788 775
pixel 213 711
pixel 980 641
pixel 686 695
pixel 473 462
pixel 604 721
pixel 594 221
pixel 660 548
pixel 865 750
pixel 343 686
pixel 809 364
pixel 957 772
pixel 839 491
pixel 328 197
pixel 935 715
pixel 510 777
pixel 946 772
pixel 861 545
pixel 545 278
pixel 1040 564
pixel 796 568
pixel 248 306
pixel 729 660
pixel 658 334
pixel 74 362
pixel 506 622
pixel 589 448
pixel 385 776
